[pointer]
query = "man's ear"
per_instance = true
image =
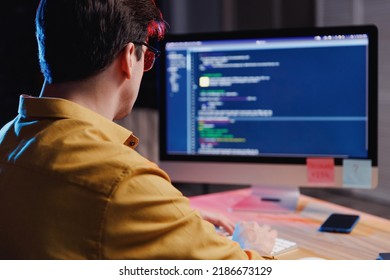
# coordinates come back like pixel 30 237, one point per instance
pixel 128 54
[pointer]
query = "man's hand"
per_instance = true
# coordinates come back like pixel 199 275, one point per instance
pixel 219 221
pixel 250 235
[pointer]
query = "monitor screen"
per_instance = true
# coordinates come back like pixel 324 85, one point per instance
pixel 261 107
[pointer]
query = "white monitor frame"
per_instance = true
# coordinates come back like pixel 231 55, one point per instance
pixel 266 171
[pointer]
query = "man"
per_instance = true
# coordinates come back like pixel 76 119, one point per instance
pixel 71 183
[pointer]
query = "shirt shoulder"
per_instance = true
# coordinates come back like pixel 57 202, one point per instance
pixel 75 151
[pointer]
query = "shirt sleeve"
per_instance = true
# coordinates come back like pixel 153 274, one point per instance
pixel 148 218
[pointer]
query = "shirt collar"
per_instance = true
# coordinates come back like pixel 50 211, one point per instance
pixel 43 107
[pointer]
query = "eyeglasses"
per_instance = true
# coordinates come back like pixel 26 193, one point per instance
pixel 150 55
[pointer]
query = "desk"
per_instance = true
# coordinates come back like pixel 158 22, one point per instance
pixel 370 236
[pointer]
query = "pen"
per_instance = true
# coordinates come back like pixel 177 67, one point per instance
pixel 270 199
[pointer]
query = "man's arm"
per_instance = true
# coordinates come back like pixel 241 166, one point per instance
pixel 147 218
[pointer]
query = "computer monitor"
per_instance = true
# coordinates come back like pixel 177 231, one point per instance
pixel 282 107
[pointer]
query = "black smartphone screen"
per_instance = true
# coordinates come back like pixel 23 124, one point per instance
pixel 342 223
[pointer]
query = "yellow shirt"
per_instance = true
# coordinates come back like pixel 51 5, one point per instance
pixel 72 188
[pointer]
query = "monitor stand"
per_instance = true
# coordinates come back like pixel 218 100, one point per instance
pixel 269 199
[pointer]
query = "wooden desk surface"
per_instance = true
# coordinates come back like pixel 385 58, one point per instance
pixel 370 236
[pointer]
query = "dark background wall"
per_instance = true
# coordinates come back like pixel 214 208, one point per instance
pixel 19 68
pixel 19 71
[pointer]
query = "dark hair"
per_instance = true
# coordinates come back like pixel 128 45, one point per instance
pixel 80 38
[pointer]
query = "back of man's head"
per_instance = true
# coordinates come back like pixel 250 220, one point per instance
pixel 80 38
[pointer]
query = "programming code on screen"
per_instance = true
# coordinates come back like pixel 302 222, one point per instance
pixel 286 97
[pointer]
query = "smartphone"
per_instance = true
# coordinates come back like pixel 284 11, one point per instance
pixel 384 256
pixel 341 223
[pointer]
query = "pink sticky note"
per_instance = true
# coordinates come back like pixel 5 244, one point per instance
pixel 320 170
